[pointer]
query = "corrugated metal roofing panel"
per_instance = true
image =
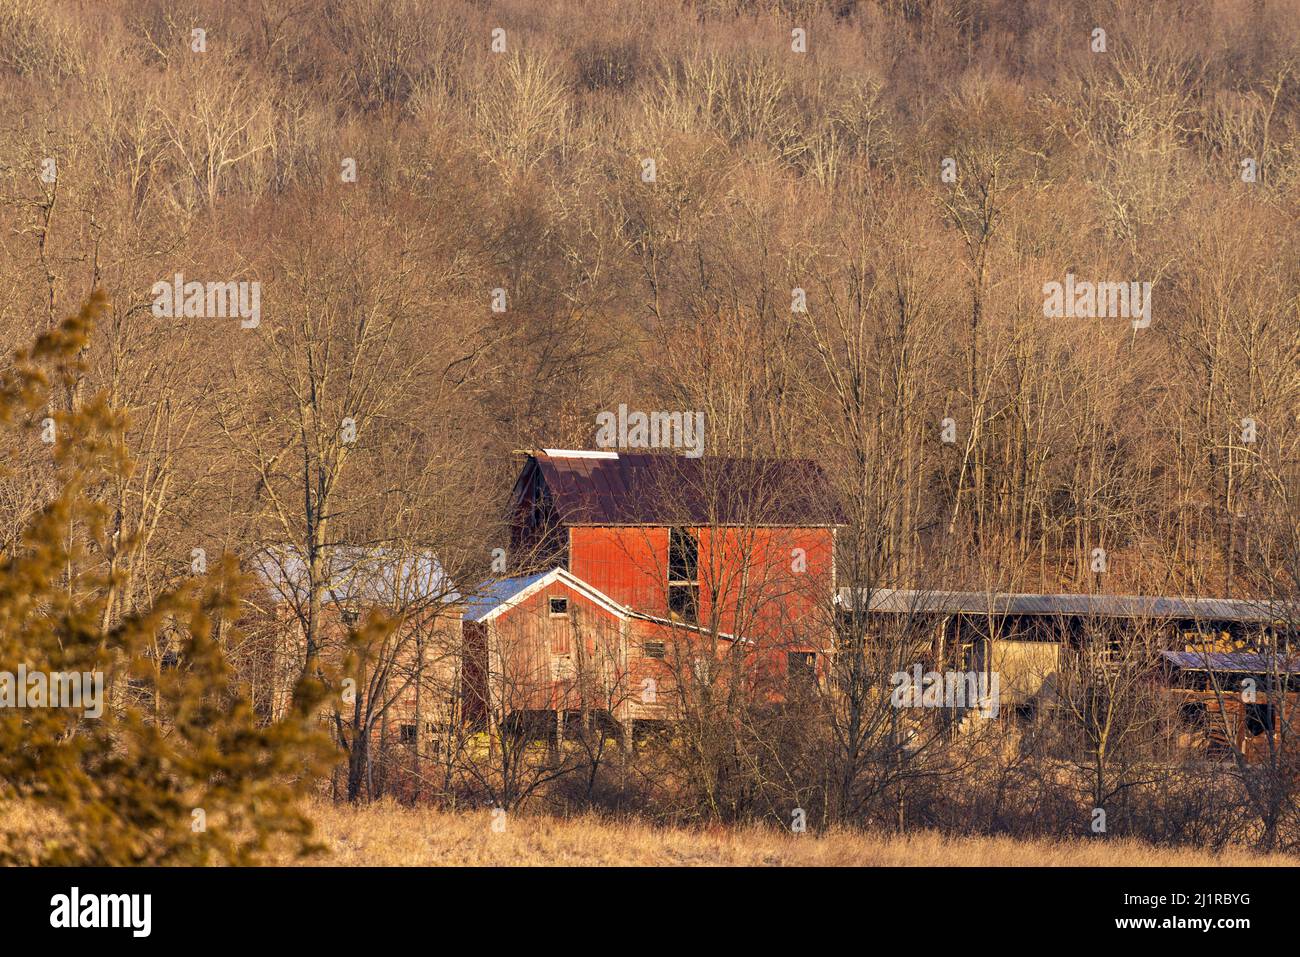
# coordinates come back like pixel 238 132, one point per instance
pixel 1233 661
pixel 494 594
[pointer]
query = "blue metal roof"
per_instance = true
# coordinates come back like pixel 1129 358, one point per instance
pixel 492 594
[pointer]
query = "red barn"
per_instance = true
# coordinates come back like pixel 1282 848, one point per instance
pixel 664 550
pixel 712 541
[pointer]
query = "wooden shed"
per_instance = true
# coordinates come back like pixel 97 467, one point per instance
pixel 1234 701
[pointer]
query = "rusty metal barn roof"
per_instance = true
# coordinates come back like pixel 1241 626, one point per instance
pixel 639 488
pixel 915 601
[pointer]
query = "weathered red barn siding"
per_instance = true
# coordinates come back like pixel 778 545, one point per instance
pixel 686 649
pixel 652 680
pixel 770 583
pixel 752 571
pixel 765 568
pixel 627 563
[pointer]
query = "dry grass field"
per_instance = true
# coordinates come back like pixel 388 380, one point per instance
pixel 390 835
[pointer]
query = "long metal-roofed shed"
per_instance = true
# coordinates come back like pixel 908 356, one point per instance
pixel 1006 604
pixel 1022 635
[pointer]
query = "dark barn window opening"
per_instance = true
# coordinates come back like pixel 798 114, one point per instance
pixel 684 575
pixel 559 606
pixel 653 649
pixel 683 602
pixel 683 556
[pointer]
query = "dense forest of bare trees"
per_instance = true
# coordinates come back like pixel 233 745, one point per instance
pixel 825 224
